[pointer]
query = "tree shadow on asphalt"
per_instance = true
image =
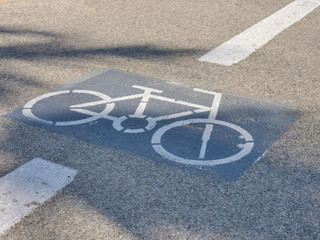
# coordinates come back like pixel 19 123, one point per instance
pixel 56 48
pixel 50 46
pixel 20 31
pixel 11 86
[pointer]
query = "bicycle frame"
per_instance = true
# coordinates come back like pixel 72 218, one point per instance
pixel 145 97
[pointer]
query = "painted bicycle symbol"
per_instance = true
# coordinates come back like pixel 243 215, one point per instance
pixel 118 123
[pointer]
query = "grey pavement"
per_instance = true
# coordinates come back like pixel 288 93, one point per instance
pixel 118 194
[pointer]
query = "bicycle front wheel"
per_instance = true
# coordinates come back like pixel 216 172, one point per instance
pixel 174 152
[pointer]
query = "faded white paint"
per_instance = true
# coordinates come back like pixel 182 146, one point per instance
pixel 27 187
pixel 144 101
pixel 205 138
pixel 244 44
pixel 152 121
pixel 245 148
pixel 27 109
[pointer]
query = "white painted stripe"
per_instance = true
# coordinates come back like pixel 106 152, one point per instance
pixel 205 138
pixel 242 45
pixel 174 115
pixel 111 100
pixel 28 186
pixel 144 101
pixel 171 100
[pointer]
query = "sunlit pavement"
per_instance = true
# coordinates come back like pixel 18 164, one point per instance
pixel 120 194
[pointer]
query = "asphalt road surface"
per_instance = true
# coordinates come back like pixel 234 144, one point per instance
pixel 77 189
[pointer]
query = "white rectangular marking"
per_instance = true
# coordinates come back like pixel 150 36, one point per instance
pixel 28 186
pixel 242 45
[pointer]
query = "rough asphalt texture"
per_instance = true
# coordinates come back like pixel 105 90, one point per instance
pixel 118 195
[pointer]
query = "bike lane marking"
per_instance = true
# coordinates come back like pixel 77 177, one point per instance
pixel 178 125
pixel 247 42
pixel 28 186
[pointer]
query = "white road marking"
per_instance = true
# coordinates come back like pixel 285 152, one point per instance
pixel 173 116
pixel 156 138
pixel 27 109
pixel 144 101
pixel 183 103
pixel 29 186
pixel 212 116
pixel 111 100
pixel 205 138
pixel 246 148
pixel 242 45
pixel 146 96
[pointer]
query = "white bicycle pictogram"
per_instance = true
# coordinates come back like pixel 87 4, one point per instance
pixel 156 140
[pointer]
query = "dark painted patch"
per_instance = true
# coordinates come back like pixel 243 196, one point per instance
pixel 263 120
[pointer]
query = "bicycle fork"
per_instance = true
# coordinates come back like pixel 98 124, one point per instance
pixel 212 116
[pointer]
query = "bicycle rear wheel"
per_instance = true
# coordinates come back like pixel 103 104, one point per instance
pixel 29 109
